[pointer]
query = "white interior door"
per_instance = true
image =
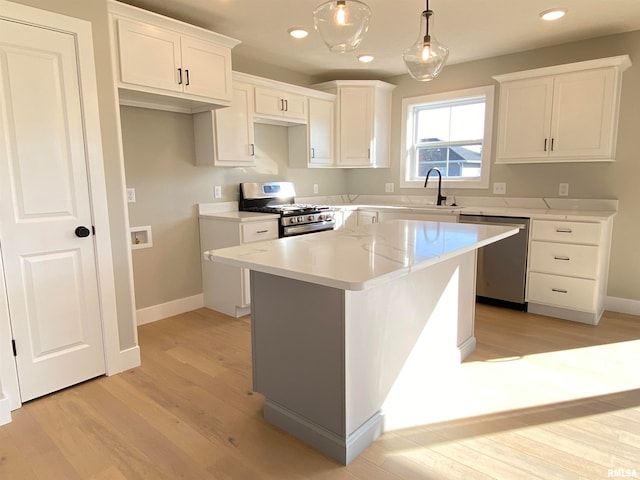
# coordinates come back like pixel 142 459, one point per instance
pixel 50 271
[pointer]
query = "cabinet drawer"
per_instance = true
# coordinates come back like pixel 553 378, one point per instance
pixel 256 231
pixel 564 259
pixel 570 232
pixel 566 292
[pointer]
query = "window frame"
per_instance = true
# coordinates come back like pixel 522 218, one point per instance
pixel 408 149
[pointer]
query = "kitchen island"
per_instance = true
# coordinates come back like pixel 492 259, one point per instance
pixel 346 323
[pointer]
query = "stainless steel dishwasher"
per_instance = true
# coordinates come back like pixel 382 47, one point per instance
pixel 502 266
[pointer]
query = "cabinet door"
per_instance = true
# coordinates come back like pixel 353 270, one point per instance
pixel 234 129
pixel 366 217
pixel 206 69
pixel 269 101
pixel 277 103
pixel 320 131
pixel 356 126
pixel 583 122
pixel 295 106
pixel 525 119
pixel 149 56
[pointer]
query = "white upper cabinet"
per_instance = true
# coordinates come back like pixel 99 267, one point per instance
pixel 362 122
pixel 567 113
pixel 225 137
pixel 169 65
pixel 278 104
pixel 321 128
pixel 312 145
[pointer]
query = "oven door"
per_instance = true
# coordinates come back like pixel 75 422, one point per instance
pixel 292 230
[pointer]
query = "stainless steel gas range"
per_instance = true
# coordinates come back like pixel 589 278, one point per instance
pixel 279 197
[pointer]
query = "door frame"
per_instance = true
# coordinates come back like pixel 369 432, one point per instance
pixel 81 30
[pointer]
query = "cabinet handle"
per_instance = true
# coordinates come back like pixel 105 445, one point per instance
pixel 313 152
pixel 187 74
pixel 282 104
pixel 179 76
pixel 262 231
pixel 559 290
pixel 253 150
pixel 286 105
pixel 545 144
pixel 552 140
pixel 368 154
pixel 563 230
pixel 556 257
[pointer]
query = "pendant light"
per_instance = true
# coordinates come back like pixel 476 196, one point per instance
pixel 425 58
pixel 342 24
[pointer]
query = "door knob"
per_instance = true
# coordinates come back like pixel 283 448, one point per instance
pixel 82 232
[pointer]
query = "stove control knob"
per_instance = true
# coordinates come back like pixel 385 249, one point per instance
pixel 310 218
pixel 300 219
pixel 293 220
pixel 321 217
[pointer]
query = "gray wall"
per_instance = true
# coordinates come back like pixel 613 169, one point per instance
pixel 160 165
pixel 95 11
pixel 587 180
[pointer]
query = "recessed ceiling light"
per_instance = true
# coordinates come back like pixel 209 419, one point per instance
pixel 297 32
pixel 553 14
pixel 365 58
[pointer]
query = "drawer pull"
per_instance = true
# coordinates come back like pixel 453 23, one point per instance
pixel 563 230
pixel 559 290
pixel 262 231
pixel 556 257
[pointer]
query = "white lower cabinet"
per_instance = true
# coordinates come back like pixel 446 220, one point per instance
pixel 568 267
pixel 226 288
pixel 366 217
pixel 345 218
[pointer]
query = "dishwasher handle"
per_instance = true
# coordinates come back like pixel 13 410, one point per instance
pixel 520 226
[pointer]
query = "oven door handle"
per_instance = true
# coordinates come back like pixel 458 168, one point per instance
pixel 308 228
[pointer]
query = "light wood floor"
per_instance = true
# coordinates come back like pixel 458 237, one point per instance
pixel 540 398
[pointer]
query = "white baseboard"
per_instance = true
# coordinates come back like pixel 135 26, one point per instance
pixel 623 305
pixel 5 411
pixel 130 358
pixel 164 310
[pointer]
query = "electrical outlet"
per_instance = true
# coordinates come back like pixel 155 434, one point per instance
pixel 315 188
pixel 563 189
pixel 131 195
pixel 217 191
pixel 389 187
pixel 499 188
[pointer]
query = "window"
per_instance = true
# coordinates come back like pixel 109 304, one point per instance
pixel 451 132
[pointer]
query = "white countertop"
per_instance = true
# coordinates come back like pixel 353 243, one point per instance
pixel 362 257
pixel 237 216
pixel 570 209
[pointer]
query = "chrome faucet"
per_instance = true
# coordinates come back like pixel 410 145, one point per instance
pixel 441 199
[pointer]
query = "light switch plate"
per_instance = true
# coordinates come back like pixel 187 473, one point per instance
pixel 499 188
pixel 563 189
pixel 389 187
pixel 131 195
pixel 315 188
pixel 217 191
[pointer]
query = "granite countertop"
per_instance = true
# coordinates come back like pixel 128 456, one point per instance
pixel 362 257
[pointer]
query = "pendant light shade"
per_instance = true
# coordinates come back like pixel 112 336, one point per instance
pixel 342 24
pixel 425 59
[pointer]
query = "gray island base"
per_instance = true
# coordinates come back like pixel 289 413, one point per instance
pixel 343 337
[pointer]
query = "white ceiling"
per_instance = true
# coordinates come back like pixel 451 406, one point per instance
pixel 472 29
